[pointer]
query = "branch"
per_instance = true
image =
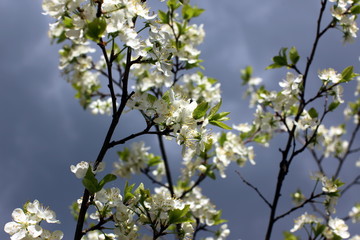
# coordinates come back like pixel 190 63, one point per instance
pixel 109 69
pixel 310 200
pixel 166 163
pixel 114 122
pixel 351 142
pixel 354 182
pixel 146 172
pixel 319 34
pixel 255 188
pixel 198 181
pixel 134 135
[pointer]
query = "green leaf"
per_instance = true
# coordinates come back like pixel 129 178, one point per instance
pixel 279 60
pixel 154 160
pixel 246 74
pixel 95 29
pixel 90 182
pixel 124 155
pixel 68 22
pixel 222 139
pixel 128 192
pixel 220 117
pixel 294 55
pixel 262 138
pixel 151 98
pixel 313 113
pixel 319 229
pixel 164 17
pixel 217 218
pixel 333 105
pixel 189 11
pixel 173 4
pixel 338 183
pixel 108 178
pixel 348 73
pixel 200 110
pixel 215 109
pixel 290 236
pixel 177 216
pixel 355 9
pixel 210 173
pixel 181 31
pixel 212 80
pixel 220 124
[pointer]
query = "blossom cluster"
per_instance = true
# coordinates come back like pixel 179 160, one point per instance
pixel 26 223
pixel 345 12
pixel 135 159
pixel 334 227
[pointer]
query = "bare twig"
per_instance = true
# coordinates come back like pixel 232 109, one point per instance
pixel 254 188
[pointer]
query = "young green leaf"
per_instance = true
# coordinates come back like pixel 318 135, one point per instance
pixel 220 124
pixel 68 22
pixel 220 117
pixel 189 11
pixel 90 182
pixel 290 236
pixel 313 113
pixel 95 29
pixel 222 139
pixel 246 74
pixel 154 160
pixel 173 4
pixel 333 105
pixel 348 73
pixel 294 55
pixel 355 9
pixel 279 60
pixel 318 229
pixel 164 17
pixel 200 110
pixel 215 109
pixel 108 178
pixel 128 192
pixel 177 216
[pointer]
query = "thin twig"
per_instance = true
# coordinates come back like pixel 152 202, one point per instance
pixel 254 188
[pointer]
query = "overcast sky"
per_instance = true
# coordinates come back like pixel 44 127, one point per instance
pixel 43 129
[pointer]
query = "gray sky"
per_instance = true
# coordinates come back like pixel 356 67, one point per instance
pixel 43 130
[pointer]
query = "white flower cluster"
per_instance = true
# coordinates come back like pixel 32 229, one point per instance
pixel 98 235
pixel 338 227
pixel 201 207
pixel 330 75
pixel 347 20
pixel 330 140
pixel 137 209
pixel 231 148
pixel 353 111
pixel 176 114
pixel 76 65
pixel 26 223
pixel 305 219
pixel 199 88
pixel 158 206
pixel 81 168
pixel 101 107
pixel 335 226
pixel 136 158
pixel 291 84
pixel 354 214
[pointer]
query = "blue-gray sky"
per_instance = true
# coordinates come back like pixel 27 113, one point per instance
pixel 43 130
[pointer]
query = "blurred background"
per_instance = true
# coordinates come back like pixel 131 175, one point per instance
pixel 43 129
